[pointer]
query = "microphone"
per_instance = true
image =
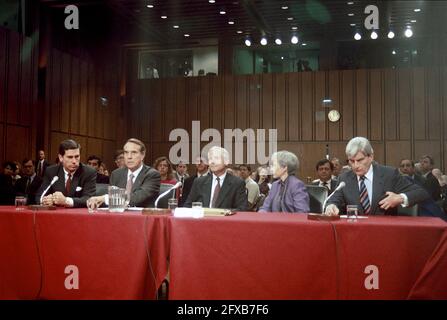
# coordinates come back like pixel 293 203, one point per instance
pixel 178 184
pixel 327 152
pixel 340 186
pixel 48 188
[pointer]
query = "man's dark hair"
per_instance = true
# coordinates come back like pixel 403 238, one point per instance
pixel 138 142
pixel 26 160
pixel 118 153
pixel 245 166
pixel 93 157
pixel 10 164
pixel 412 162
pixel 432 162
pixel 68 144
pixel 322 162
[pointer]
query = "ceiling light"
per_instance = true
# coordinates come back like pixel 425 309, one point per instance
pixel 176 27
pixel 352 24
pixel 408 33
pixel 413 21
pixel 284 7
pixel 150 6
pixel 222 12
pixel 264 41
pixel 294 28
pixel 393 52
pixel 391 35
pixel 247 42
pixel 239 31
pixel 417 10
pixel 357 36
pixel 374 35
pixel 294 40
pixel 282 58
pixel 164 17
pixel 230 22
pixel 304 44
pixel 350 2
pixel 278 41
pixel 290 18
pixel 211 1
pixel 350 14
pixel 186 35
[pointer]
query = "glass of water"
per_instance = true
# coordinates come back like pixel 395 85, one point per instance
pixel 352 212
pixel 20 203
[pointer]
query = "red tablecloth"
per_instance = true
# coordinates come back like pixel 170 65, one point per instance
pixel 286 256
pixel 110 252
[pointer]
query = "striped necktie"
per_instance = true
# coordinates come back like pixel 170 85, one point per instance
pixel 364 199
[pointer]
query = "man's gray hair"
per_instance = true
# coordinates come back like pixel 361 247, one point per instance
pixel 359 144
pixel 220 151
pixel 287 159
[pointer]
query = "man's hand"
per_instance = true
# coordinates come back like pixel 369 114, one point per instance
pixel 392 200
pixel 48 200
pixel 58 198
pixel 331 210
pixel 95 202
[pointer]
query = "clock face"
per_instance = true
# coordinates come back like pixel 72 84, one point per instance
pixel 333 116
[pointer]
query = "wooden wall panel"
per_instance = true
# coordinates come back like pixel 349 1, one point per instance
pixel 3 73
pixel 379 104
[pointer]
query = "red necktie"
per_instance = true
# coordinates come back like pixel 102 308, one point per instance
pixel 68 184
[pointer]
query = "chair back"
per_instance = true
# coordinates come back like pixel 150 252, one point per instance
pixel 408 211
pixel 317 196
pixel 163 202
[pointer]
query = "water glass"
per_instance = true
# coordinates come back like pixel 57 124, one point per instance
pixel 20 203
pixel 172 204
pixel 352 212
pixel 117 199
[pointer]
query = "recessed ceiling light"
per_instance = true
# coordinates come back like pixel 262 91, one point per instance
pixel 284 7
pixel 352 24
pixel 294 28
pixel 357 36
pixel 239 31
pixel 211 1
pixel 230 22
pixel 150 6
pixel 374 35
pixel 393 52
pixel 278 41
pixel 176 27
pixel 294 40
pixel 391 35
pixel 417 10
pixel 304 44
pixel 164 17
pixel 350 2
pixel 247 42
pixel 264 41
pixel 350 14
pixel 186 35
pixel 290 18
pixel 222 12
pixel 408 33
pixel 282 58
pixel 413 21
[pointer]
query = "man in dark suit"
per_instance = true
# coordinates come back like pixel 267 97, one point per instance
pixel 76 181
pixel 325 169
pixel 431 182
pixel 374 188
pixel 42 164
pixel 140 181
pixel 219 190
pixel 406 167
pixel 201 170
pixel 30 183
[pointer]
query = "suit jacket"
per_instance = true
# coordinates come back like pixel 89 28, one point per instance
pixel 433 187
pixel 145 189
pixel 44 167
pixel 333 185
pixel 232 195
pixel 102 178
pixel 294 199
pixel 7 192
pixel 384 179
pixel 83 184
pixel 32 189
pixel 186 189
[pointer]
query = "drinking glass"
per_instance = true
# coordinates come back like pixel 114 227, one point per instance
pixel 352 212
pixel 20 203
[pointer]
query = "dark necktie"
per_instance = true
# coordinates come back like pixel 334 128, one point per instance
pixel 28 182
pixel 216 192
pixel 68 184
pixel 281 196
pixel 364 199
pixel 129 184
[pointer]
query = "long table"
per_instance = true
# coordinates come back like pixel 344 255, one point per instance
pixel 286 256
pixel 71 254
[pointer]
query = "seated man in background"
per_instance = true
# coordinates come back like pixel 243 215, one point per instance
pixel 201 170
pixel 219 190
pixel 324 172
pixel 251 186
pixel 140 181
pixel 7 192
pixel 374 188
pixel 288 193
pixel 76 181
pixel 95 162
pixel 30 183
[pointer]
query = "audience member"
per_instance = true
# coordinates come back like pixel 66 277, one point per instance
pixel 7 192
pixel 431 184
pixel 140 181
pixel 376 189
pixel 164 167
pixel 201 170
pixel 288 193
pixel 119 159
pixel 337 168
pixel 76 183
pixel 219 190
pixel 30 183
pixel 42 164
pixel 95 162
pixel 251 186
pixel 324 170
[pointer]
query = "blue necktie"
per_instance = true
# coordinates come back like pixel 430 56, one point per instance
pixel 364 199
